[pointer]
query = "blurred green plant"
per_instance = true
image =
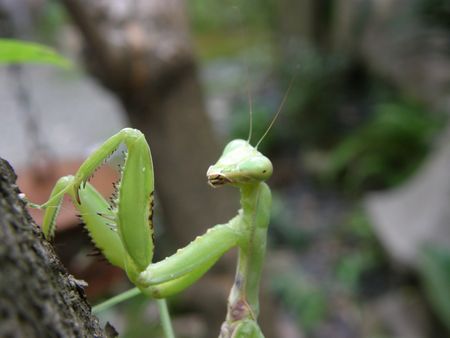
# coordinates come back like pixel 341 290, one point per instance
pixel 282 232
pixel 384 151
pixel 322 86
pixel 303 297
pixel 434 12
pixel 364 253
pixel 229 15
pixel 232 27
pixel 51 21
pixel 351 267
pixel 434 268
pixel 358 227
pixel 19 52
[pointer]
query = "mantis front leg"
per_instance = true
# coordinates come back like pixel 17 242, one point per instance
pixel 130 215
pixel 123 230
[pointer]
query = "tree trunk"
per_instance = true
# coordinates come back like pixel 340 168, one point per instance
pixel 141 51
pixel 38 297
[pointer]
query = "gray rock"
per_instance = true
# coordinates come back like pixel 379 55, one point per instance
pixel 418 212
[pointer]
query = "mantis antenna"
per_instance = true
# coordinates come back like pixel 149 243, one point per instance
pixel 280 108
pixel 243 36
pixel 250 106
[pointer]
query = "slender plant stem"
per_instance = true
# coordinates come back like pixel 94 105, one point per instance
pixel 165 318
pixel 115 300
pixel 162 305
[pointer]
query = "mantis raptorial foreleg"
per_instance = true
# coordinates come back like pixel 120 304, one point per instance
pixel 96 214
pixel 131 217
pixel 123 229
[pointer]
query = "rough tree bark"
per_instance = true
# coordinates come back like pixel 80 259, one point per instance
pixel 38 298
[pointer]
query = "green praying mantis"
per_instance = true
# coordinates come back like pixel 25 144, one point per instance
pixel 123 229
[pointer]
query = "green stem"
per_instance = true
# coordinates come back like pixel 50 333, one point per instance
pixel 165 318
pixel 115 300
pixel 162 305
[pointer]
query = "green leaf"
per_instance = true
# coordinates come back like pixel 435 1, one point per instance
pixel 434 267
pixel 15 52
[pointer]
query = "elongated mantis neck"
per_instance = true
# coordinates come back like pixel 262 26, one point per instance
pixel 243 299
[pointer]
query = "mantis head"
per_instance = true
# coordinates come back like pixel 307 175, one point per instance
pixel 240 163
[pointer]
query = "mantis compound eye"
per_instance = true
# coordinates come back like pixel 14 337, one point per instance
pixel 257 168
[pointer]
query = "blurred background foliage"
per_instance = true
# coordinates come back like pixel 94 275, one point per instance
pixel 385 150
pixel 347 129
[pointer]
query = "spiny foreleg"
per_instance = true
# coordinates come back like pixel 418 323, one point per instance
pixel 131 219
pixel 95 213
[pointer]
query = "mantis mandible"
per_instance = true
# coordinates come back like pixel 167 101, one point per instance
pixel 123 229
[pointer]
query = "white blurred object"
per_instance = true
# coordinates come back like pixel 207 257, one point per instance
pixel 418 212
pixel 73 113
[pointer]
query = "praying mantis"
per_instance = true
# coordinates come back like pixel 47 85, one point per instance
pixel 123 229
